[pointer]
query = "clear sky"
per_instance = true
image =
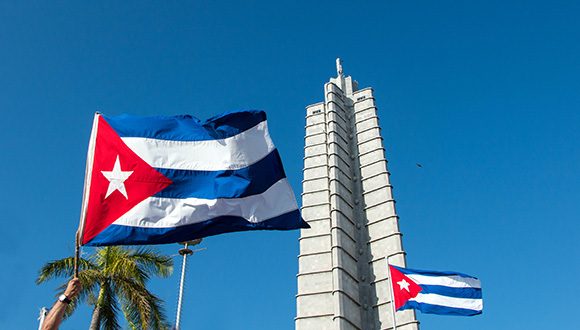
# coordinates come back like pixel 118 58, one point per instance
pixel 484 94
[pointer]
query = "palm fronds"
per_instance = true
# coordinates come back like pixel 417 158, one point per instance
pixel 114 279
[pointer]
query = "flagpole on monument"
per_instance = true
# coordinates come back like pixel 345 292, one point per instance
pixel 185 251
pixel 393 310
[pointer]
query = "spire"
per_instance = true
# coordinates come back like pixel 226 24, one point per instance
pixel 338 67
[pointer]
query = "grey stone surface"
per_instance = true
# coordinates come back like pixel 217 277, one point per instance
pixel 347 199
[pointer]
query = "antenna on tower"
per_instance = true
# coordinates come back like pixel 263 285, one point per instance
pixel 338 66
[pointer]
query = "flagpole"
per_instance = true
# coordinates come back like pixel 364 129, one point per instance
pixel 86 190
pixel 77 254
pixel 393 310
pixel 185 251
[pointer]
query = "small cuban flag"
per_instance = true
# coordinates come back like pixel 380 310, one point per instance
pixel 155 180
pixel 446 293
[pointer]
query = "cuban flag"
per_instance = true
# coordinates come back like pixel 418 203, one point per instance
pixel 446 293
pixel 155 180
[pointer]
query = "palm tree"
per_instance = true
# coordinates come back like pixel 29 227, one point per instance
pixel 114 279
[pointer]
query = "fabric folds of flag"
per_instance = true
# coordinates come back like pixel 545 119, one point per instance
pixel 156 180
pixel 446 293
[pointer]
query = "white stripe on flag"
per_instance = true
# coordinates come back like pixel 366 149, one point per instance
pixel 435 299
pixel 454 281
pixel 232 153
pixel 157 212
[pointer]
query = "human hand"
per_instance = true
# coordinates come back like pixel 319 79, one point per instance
pixel 73 288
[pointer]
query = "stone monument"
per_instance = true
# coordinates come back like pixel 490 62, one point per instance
pixel 348 201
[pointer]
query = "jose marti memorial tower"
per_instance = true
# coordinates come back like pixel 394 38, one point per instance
pixel 348 201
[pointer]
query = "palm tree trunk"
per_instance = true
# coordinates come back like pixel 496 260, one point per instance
pixel 96 319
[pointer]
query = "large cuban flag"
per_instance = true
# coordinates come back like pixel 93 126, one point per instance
pixel 154 180
pixel 448 293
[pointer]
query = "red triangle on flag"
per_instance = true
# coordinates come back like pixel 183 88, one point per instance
pixel 119 180
pixel 403 287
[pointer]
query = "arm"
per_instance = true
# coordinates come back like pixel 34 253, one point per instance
pixel 54 317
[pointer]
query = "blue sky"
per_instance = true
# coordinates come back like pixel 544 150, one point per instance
pixel 485 95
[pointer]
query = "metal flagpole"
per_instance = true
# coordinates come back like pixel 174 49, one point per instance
pixel 393 311
pixel 185 251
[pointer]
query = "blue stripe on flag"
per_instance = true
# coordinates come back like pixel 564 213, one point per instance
pixel 186 127
pixel 430 273
pixel 127 235
pixel 251 180
pixel 441 310
pixel 473 293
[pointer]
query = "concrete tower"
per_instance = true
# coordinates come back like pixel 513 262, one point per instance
pixel 348 201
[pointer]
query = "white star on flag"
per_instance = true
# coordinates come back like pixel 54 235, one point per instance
pixel 116 179
pixel 403 285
